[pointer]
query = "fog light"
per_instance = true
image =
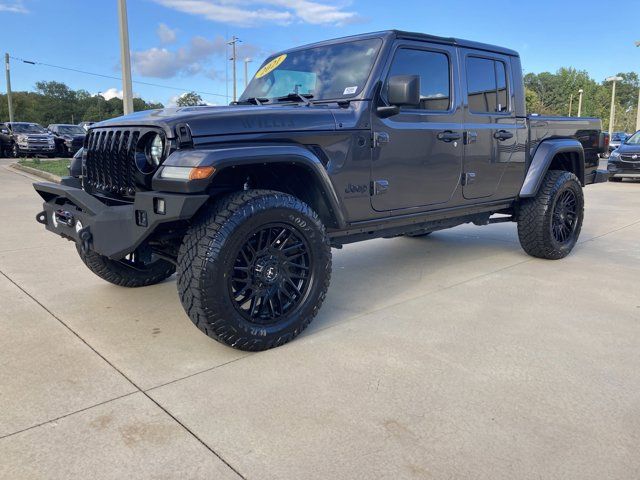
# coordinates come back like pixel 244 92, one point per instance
pixel 159 206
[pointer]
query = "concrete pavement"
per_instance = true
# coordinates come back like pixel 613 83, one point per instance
pixel 452 356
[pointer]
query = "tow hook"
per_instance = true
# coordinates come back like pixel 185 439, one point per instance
pixel 84 235
pixel 42 218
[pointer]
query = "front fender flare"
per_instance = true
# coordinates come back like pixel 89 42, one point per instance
pixel 221 158
pixel 543 157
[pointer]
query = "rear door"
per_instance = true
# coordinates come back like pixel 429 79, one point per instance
pixel 490 124
pixel 413 163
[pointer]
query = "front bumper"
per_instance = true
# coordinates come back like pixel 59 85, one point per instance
pixel 623 169
pixel 112 231
pixel 42 149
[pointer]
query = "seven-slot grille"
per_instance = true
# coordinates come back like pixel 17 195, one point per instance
pixel 110 161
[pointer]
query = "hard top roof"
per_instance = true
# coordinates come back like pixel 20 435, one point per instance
pixel 419 37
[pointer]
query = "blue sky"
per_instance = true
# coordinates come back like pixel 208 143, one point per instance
pixel 181 43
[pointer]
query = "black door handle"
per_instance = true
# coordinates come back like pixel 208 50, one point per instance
pixel 448 136
pixel 502 135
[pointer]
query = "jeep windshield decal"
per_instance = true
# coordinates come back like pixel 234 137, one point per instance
pixel 327 72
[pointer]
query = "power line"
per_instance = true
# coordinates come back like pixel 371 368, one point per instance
pixel 112 77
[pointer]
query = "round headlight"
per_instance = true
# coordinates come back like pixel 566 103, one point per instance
pixel 155 150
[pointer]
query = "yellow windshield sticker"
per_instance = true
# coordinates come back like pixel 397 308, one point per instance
pixel 271 66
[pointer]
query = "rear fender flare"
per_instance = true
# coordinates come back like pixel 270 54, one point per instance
pixel 542 159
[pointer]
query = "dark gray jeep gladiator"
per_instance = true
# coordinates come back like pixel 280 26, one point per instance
pixel 378 135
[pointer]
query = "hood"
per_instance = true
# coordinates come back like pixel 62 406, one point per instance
pixel 234 119
pixel 626 148
pixel 67 136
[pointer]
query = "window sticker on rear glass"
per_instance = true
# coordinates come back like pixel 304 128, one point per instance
pixel 350 90
pixel 271 66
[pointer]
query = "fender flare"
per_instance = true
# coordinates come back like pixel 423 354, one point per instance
pixel 224 157
pixel 542 158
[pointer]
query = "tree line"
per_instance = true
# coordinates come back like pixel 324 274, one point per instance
pixel 55 102
pixel 557 93
pixel 546 93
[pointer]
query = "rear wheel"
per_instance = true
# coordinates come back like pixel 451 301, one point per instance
pixel 254 269
pixel 130 272
pixel 549 224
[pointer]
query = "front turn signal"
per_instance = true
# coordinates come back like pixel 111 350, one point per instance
pixel 200 173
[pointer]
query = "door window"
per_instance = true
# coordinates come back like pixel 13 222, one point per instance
pixel 487 85
pixel 433 69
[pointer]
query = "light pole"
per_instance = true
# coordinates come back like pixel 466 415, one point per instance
pixel 638 113
pixel 612 115
pixel 9 99
pixel 570 103
pixel 234 56
pixel 580 92
pixel 246 72
pixel 125 58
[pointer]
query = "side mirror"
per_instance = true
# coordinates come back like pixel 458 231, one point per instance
pixel 403 91
pixel 4 131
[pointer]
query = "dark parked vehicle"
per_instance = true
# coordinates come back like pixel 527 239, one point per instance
pixel 624 162
pixel 377 135
pixel 68 138
pixel 617 139
pixel 20 139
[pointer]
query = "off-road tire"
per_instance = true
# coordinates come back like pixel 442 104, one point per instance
pixel 209 253
pixel 123 275
pixel 535 217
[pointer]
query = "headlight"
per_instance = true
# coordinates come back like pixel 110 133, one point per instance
pixel 22 139
pixel 615 154
pixel 156 148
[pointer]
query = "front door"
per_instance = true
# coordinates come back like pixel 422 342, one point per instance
pixel 417 154
pixel 490 123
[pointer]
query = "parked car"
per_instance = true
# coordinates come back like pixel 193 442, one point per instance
pixel 617 138
pixel 68 138
pixel 19 139
pixel 405 134
pixel 624 162
pixel 85 125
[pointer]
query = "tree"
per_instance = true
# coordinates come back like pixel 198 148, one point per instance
pixel 191 99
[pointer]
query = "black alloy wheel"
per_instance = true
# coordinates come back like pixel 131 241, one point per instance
pixel 270 275
pixel 565 217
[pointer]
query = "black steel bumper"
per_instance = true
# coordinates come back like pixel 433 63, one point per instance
pixel 112 231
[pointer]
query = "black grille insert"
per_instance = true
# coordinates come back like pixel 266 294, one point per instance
pixel 110 162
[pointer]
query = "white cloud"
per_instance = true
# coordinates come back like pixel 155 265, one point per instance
pixel 166 34
pixel 111 93
pixel 248 13
pixel 15 6
pixel 160 62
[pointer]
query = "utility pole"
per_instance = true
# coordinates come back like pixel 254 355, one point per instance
pixel 234 57
pixel 9 99
pixel 125 58
pixel 580 92
pixel 246 72
pixel 570 103
pixel 612 115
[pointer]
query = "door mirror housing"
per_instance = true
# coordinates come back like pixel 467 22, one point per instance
pixel 404 91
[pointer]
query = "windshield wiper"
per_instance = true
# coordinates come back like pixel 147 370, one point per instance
pixel 296 96
pixel 255 100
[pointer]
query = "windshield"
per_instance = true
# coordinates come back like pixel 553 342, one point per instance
pixel 618 137
pixel 27 128
pixel 71 130
pixel 327 72
pixel 634 140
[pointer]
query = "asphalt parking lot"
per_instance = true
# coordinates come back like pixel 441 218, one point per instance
pixel 451 356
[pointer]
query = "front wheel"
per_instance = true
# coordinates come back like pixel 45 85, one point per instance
pixel 254 269
pixel 549 224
